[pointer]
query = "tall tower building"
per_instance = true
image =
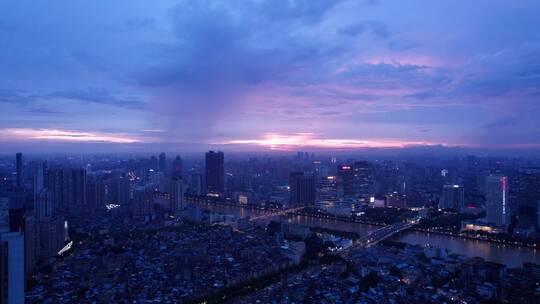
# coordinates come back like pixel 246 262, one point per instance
pixel 177 166
pixel 162 162
pixel 196 184
pixel 19 168
pixel 302 189
pixel 364 178
pixel 528 191
pixel 177 195
pixel 39 177
pixel 453 196
pixel 346 179
pixel 68 189
pixel 11 259
pixel 43 205
pixel 327 195
pixel 12 268
pixel 215 172
pixel 497 200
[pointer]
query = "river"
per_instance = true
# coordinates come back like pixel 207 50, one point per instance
pixel 511 256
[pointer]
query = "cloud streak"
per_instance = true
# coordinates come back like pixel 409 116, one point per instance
pixel 55 135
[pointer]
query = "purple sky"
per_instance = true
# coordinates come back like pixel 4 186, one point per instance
pixel 271 74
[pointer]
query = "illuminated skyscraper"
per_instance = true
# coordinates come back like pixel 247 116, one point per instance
pixel 215 172
pixel 497 200
pixel 327 192
pixel 346 179
pixel 364 179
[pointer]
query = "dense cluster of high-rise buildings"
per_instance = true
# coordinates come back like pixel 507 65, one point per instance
pixel 41 198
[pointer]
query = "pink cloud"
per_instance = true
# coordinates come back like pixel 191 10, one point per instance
pixel 24 134
pixel 276 141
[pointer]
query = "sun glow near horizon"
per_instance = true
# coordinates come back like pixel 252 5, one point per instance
pixel 276 141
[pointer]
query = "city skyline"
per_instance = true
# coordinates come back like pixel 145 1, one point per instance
pixel 264 76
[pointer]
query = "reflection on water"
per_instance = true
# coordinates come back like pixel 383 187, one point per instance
pixel 509 255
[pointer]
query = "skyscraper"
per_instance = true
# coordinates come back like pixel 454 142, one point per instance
pixel 177 195
pixel 39 177
pixel 346 179
pixel 453 196
pixel 496 200
pixel 302 189
pixel 19 168
pixel 177 167
pixel 215 172
pixel 11 259
pixel 12 268
pixel 68 189
pixel 162 162
pixel 364 178
pixel 196 184
pixel 528 191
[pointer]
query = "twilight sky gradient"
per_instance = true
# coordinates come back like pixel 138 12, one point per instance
pixel 277 74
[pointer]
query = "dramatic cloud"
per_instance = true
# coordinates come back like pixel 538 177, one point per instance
pixel 355 73
pixel 21 134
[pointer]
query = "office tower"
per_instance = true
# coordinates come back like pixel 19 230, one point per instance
pixel 196 184
pixel 96 192
pixel 39 177
pixel 142 202
pixel 215 172
pixel 162 162
pixel 528 192
pixel 4 214
pixel 50 237
pixel 123 191
pixel 79 191
pixel 327 192
pixel 453 196
pixel 177 167
pixel 364 179
pixel 496 200
pixel 156 179
pixel 11 259
pixel 346 179
pixel 43 205
pixel 12 268
pixel 30 243
pixel 19 168
pixel 177 195
pixel 302 189
pixel 538 215
pixel 154 164
pixel 68 189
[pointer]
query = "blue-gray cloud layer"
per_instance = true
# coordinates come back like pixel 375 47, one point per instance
pixel 203 71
